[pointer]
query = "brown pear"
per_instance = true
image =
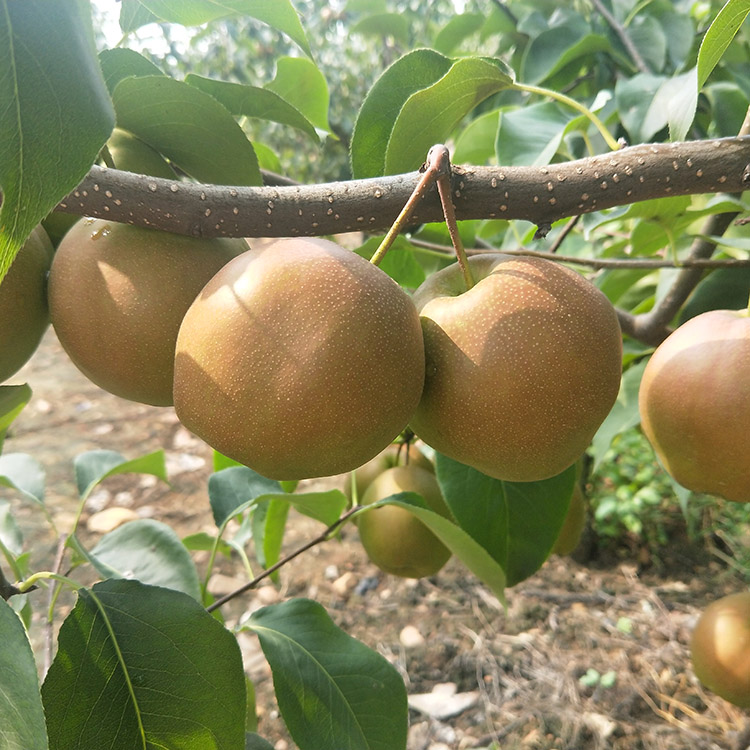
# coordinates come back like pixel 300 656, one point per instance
pixel 395 539
pixel 24 316
pixel 695 403
pixel 299 360
pixel 117 295
pixel 520 370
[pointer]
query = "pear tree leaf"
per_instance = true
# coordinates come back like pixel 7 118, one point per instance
pixel 201 541
pixel 623 415
pixel 332 690
pixel 471 553
pixel 192 129
pixel 719 36
pixel 557 47
pixel 56 113
pixel 269 538
pixel 231 490
pixel 681 95
pixel 133 15
pixel 23 726
pixel 384 25
pixel 517 523
pixel 95 466
pixel 299 82
pixel 372 130
pixel 13 400
pixel 10 535
pixel 24 473
pixel 279 15
pixel 650 39
pixel 429 116
pixel 122 63
pixel 148 551
pixel 475 144
pixel 531 135
pixel 253 101
pixel 143 666
pixel 254 741
pixel 459 28
pixel 633 97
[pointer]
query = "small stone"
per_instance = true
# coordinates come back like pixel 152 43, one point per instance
pixel 179 463
pixel 410 637
pixel 331 572
pixel 443 702
pixel 124 498
pixel 344 584
pixel 267 595
pixel 98 500
pixel 109 519
pixel 43 406
pixel 220 584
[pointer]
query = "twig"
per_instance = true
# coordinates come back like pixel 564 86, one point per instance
pixel 564 232
pixel 323 537
pixel 596 263
pixel 622 33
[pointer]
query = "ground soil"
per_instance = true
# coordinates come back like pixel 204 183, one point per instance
pixel 616 611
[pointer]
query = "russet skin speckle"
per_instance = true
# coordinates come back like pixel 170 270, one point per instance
pixel 300 360
pixel 520 370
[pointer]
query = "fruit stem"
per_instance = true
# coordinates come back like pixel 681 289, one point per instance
pixel 430 173
pixel 595 121
pixel 449 211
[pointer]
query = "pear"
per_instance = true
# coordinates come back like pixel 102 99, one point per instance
pixel 394 455
pixel 24 316
pixel 694 400
pixel 395 539
pixel 720 648
pixel 117 294
pixel 520 370
pixel 299 360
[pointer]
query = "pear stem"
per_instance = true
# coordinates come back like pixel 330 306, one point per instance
pixel 431 171
pixel 449 211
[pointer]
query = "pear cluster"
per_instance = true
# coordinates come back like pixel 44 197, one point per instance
pixel 302 359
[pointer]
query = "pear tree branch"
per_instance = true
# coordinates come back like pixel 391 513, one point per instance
pixel 541 195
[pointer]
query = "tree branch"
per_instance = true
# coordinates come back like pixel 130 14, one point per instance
pixel 538 194
pixel 622 33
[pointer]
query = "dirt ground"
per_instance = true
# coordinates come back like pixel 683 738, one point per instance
pixel 590 655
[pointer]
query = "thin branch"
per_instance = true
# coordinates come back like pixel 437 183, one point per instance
pixel 622 33
pixel 564 232
pixel 322 537
pixel 541 195
pixel 596 263
pixel 49 636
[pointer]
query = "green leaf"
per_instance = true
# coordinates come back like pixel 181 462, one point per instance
pixel 332 690
pixel 722 289
pixel 279 14
pixel 411 73
pixel 681 97
pixel 256 742
pixel 148 551
pixel 13 400
pixel 10 535
pixel 251 101
pixel 122 63
pixel 530 136
pixel 325 507
pixel 555 48
pixel 633 97
pixel 93 467
pixel 142 666
pixel 232 488
pixel 471 553
pixel 384 25
pixel 649 38
pixel 133 15
pixel 399 262
pixel 189 127
pixel 299 82
pixel 55 114
pixel 719 36
pixel 516 522
pixel 623 416
pixel 24 473
pixel 475 144
pixel 23 726
pixel 206 542
pixel 429 116
pixel 459 28
pixel 268 546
